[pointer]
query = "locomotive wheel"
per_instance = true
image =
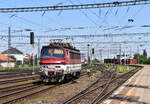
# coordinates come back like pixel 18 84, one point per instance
pixel 62 80
pixel 78 74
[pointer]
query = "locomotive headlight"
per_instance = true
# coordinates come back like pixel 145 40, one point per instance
pixel 67 67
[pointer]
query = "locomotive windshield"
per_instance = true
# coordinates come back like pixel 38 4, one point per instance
pixel 52 52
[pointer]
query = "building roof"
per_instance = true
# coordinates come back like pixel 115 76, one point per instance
pixel 5 58
pixel 12 51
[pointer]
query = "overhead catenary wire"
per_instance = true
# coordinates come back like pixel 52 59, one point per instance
pixel 75 7
pixel 46 30
pixel 85 14
pixel 30 22
pixel 82 35
pixel 124 42
pixel 100 18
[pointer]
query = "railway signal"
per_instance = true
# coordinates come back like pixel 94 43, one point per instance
pixel 31 37
pixel 88 54
pixel 93 51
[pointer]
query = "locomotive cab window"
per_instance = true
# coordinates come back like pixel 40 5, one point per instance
pixel 52 52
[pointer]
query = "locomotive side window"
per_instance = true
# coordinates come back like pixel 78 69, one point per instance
pixel 74 55
pixel 52 52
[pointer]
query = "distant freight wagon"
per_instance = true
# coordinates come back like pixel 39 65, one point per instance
pixel 121 61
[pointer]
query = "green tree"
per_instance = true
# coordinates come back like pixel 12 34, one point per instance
pixel 142 59
pixel 148 60
pixel 136 56
pixel 145 53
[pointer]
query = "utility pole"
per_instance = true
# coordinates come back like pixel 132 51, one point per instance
pixel 108 53
pixel 32 43
pixel 38 51
pixel 130 51
pixel 33 70
pixel 120 54
pixel 100 54
pixel 9 45
pixel 138 53
pixel 125 55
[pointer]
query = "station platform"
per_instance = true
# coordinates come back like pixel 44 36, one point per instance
pixel 136 90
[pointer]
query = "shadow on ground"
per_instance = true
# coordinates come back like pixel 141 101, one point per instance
pixel 131 99
pixel 137 86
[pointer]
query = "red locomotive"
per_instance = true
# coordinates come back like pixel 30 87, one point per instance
pixel 59 61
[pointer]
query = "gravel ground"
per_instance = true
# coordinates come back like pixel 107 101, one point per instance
pixel 60 94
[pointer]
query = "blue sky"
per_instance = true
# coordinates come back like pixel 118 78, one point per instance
pixel 91 19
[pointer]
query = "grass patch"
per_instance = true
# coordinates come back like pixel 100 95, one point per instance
pixel 122 68
pixel 51 95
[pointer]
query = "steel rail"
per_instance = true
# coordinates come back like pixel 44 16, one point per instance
pixel 104 89
pixel 17 88
pixel 76 7
pixel 17 85
pixel 16 92
pixel 27 95
pixel 85 91
pixel 15 75
pixel 28 89
pixel 104 92
pixel 79 95
pixel 17 80
pixel 103 86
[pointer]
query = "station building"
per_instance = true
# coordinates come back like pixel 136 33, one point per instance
pixel 4 61
pixel 14 53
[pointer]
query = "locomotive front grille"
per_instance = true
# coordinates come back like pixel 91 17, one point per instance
pixel 50 73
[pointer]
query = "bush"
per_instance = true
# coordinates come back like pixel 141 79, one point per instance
pixel 18 62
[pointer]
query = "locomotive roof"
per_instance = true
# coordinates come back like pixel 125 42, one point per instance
pixel 61 45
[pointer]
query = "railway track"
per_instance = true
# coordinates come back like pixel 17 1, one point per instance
pixel 18 70
pixel 19 79
pixel 14 93
pixel 14 75
pixel 25 92
pixel 18 86
pixel 95 94
pixel 11 94
pixel 24 85
pixel 14 72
